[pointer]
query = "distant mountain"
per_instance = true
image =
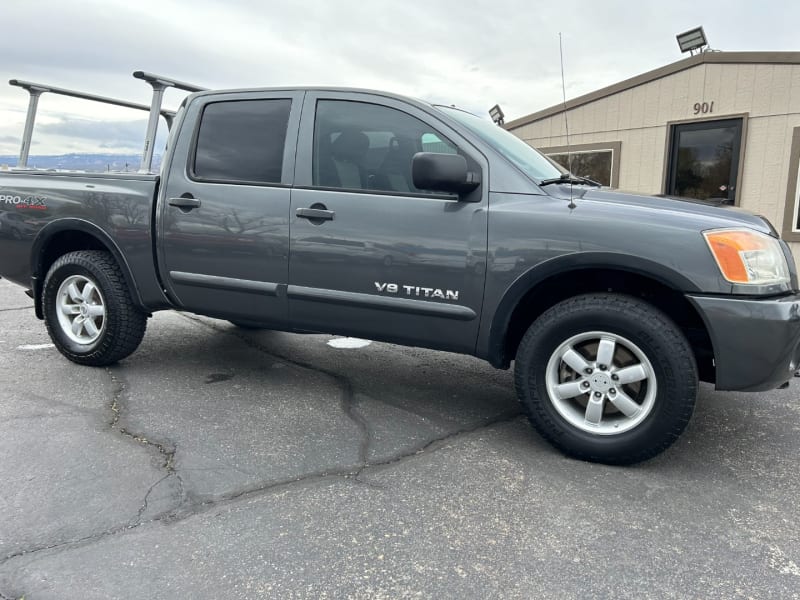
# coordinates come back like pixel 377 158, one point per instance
pixel 96 163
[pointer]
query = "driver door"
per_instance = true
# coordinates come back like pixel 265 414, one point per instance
pixel 370 254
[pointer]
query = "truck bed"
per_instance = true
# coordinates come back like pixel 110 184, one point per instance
pixel 35 206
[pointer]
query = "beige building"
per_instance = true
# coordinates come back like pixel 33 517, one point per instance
pixel 722 126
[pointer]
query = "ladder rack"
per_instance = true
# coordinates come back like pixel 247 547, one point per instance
pixel 158 83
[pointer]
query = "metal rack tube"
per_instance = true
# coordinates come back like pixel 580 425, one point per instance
pixel 36 90
pixel 159 84
pixel 167 82
pixel 33 104
pixel 152 128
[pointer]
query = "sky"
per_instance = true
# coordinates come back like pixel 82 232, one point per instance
pixel 471 53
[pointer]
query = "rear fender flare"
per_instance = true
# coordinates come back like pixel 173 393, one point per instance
pixel 45 236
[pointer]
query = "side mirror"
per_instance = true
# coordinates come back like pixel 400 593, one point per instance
pixel 443 173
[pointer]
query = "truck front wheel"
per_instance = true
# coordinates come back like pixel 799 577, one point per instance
pixel 88 309
pixel 606 378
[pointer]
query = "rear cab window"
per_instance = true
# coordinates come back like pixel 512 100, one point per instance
pixel 241 141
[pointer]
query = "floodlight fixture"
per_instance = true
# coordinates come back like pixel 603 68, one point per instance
pixel 497 114
pixel 692 40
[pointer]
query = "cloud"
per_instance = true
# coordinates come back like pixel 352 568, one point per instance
pixel 472 54
pixel 116 133
pixel 85 135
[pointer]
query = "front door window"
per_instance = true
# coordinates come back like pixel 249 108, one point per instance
pixel 362 146
pixel 704 160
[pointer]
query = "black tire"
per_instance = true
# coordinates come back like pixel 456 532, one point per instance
pixel 123 324
pixel 656 336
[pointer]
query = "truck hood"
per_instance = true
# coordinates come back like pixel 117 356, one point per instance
pixel 729 216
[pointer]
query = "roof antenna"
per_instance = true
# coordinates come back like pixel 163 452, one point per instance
pixel 566 121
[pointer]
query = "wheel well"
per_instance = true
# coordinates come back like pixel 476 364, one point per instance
pixel 58 245
pixel 63 242
pixel 584 281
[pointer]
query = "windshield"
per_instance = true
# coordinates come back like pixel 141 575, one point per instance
pixel 526 158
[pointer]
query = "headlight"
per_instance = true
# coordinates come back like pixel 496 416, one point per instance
pixel 747 256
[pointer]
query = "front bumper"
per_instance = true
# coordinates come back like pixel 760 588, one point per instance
pixel 756 342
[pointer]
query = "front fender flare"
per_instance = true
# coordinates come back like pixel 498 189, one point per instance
pixel 539 273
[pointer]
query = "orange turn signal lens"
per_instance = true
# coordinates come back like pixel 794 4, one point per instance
pixel 746 256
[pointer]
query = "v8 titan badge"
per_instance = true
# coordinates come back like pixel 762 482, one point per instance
pixel 415 290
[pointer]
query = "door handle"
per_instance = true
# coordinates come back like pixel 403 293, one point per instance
pixel 315 214
pixel 184 204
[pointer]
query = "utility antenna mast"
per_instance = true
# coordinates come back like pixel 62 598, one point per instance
pixel 566 120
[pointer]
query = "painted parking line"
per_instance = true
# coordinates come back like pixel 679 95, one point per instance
pixel 348 342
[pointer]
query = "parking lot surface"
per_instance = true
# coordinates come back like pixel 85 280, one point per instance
pixel 217 462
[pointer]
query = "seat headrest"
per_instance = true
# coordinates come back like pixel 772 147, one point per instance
pixel 350 145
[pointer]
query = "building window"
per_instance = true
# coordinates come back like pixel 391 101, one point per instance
pixel 598 162
pixel 594 164
pixel 703 161
pixel 791 218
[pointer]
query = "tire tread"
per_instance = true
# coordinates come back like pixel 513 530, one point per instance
pixel 637 310
pixel 125 326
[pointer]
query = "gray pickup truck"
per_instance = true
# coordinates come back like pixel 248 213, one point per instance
pixel 367 214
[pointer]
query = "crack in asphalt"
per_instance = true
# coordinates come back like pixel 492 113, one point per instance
pixel 117 395
pixel 72 543
pixel 437 443
pixel 348 401
pixel 347 398
pixel 9 310
pixel 168 454
pixel 183 511
pixel 145 502
pixel 354 475
pixel 349 407
pixel 116 408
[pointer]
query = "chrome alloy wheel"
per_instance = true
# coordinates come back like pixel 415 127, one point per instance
pixel 601 383
pixel 81 309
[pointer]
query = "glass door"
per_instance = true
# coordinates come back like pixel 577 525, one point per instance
pixel 704 160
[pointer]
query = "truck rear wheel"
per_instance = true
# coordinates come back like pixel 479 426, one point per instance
pixel 606 378
pixel 88 309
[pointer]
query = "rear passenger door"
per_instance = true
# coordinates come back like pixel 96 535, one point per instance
pixel 223 218
pixel 371 255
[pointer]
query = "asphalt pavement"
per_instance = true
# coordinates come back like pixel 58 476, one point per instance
pixel 217 462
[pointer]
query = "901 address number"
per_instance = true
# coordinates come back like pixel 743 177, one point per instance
pixel 703 108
